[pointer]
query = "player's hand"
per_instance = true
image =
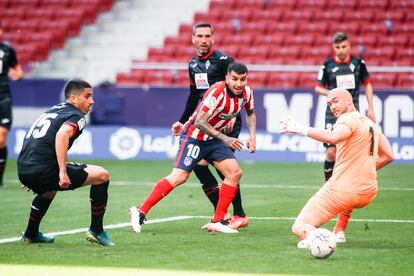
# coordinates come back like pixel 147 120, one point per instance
pixel 234 143
pixel 251 145
pixel 176 128
pixel 229 127
pixel 289 125
pixel 64 181
pixel 14 74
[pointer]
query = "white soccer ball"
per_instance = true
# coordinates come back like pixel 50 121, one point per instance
pixel 323 243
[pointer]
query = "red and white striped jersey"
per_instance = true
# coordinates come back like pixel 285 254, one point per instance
pixel 223 105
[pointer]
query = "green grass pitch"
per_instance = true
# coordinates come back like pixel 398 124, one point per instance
pixel 380 237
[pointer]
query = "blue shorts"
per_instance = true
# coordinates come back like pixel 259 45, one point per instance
pixel 191 151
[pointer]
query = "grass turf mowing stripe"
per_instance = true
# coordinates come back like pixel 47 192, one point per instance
pixel 178 218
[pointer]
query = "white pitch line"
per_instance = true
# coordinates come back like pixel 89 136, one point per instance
pixel 246 185
pixel 252 186
pixel 109 226
pixel 178 218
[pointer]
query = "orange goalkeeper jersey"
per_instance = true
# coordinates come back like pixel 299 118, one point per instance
pixel 355 169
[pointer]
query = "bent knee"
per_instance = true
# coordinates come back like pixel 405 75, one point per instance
pixel 103 176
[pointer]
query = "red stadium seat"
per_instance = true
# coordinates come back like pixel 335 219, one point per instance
pixel 348 5
pixel 305 40
pixel 272 40
pixel 13 38
pixel 314 28
pixel 27 4
pixel 351 28
pixel 281 27
pixel 396 41
pixel 41 13
pixel 283 52
pixel 311 4
pixel 58 3
pixel 307 80
pixel 320 53
pixel 283 79
pixel 267 16
pixel 405 80
pixel 383 80
pixel 330 17
pixel 241 40
pixel 379 29
pixel 14 13
pixel 281 4
pixel 367 40
pixel 257 79
pixel 363 16
pixel 372 4
pixel 255 52
pixel 406 29
pixel 129 78
pixel 254 28
pixel 397 16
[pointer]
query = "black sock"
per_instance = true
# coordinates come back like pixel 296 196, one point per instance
pixel 237 201
pixel 208 183
pixel 3 160
pixel 99 197
pixel 39 208
pixel 328 169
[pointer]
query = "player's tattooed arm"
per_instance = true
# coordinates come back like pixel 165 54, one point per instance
pixel 201 123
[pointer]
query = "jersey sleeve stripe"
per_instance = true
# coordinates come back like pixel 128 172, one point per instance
pixel 75 127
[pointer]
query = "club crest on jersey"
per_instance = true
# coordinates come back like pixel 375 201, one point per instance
pixel 352 67
pixel 1 54
pixel 81 123
pixel 188 161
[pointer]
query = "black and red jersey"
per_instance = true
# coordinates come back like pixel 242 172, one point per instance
pixel 204 71
pixel 348 74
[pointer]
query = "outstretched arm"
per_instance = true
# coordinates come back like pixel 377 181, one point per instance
pixel 339 134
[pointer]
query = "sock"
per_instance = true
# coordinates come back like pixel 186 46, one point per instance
pixel 3 160
pixel 237 201
pixel 208 183
pixel 227 194
pixel 328 169
pixel 237 204
pixel 160 190
pixel 99 197
pixel 39 208
pixel 342 222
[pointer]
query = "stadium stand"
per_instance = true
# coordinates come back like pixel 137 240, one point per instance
pixel 35 27
pixel 299 32
pixel 258 32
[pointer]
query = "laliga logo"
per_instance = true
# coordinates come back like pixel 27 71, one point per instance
pixel 125 143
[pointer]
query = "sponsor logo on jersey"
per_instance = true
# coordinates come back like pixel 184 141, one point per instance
pixel 223 57
pixel 336 68
pixel 1 54
pixel 227 116
pixel 81 123
pixel 207 64
pixel 352 67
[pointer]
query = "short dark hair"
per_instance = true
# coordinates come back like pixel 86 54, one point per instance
pixel 340 37
pixel 75 87
pixel 203 25
pixel 237 67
